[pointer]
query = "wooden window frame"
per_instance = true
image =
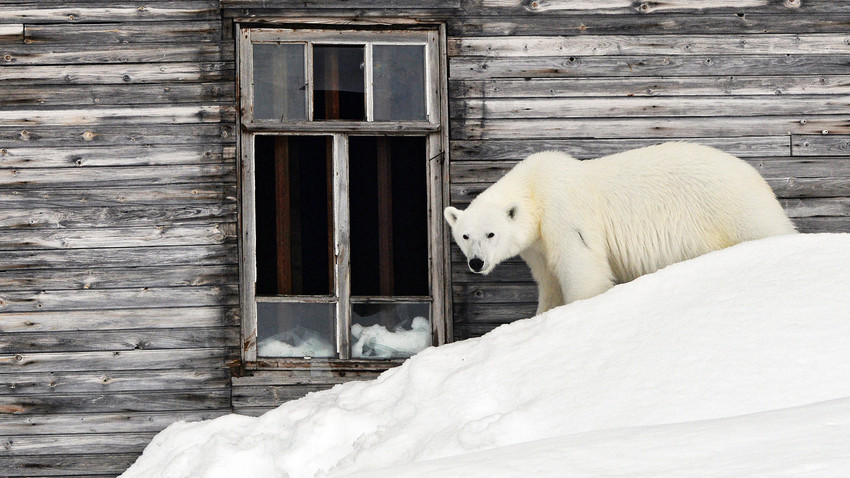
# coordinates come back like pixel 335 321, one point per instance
pixel 433 129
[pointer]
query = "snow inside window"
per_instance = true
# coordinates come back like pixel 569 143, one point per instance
pixel 389 330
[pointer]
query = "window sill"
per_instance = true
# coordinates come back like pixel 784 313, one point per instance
pixel 323 364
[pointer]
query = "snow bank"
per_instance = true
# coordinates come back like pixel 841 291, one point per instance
pixel 757 327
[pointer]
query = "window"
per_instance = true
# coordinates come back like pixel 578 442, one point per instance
pixel 343 248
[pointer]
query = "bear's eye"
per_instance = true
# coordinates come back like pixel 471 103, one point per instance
pixel 490 236
pixel 465 237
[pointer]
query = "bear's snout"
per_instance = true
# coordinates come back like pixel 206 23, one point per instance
pixel 476 264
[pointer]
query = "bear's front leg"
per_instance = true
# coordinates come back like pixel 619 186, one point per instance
pixel 582 272
pixel 549 293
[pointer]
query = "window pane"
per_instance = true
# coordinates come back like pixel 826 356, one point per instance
pixel 338 79
pixel 389 216
pixel 382 331
pixel 294 198
pixel 279 82
pixel 295 330
pixel 398 74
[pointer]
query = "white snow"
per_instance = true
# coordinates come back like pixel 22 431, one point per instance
pixel 301 342
pixel 731 364
pixel 377 342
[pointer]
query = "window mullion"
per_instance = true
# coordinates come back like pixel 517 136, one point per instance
pixel 370 97
pixel 342 245
pixel 308 64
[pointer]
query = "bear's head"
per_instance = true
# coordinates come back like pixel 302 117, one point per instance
pixel 488 233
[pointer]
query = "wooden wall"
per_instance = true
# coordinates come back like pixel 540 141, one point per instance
pixel 118 254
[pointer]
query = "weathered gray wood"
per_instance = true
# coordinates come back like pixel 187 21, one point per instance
pixel 119 340
pixel 494 293
pixel 345 4
pixel 472 109
pixel 590 45
pixel 116 115
pixel 115 402
pixel 117 73
pixel 482 313
pixel 124 319
pixel 511 271
pixel 88 299
pixel 654 86
pixel 567 7
pixel 820 145
pixel 123 360
pixel 817 224
pixel 70 444
pixel 104 382
pixel 262 378
pixel 270 395
pixel 82 465
pixel 92 95
pixel 142 155
pixel 468 331
pixel 85 12
pixel 106 33
pixel 107 176
pixel 174 194
pixel 122 135
pixel 127 422
pixel 170 276
pixel 688 127
pixel 118 257
pixel 706 64
pixel 617 24
pixel 69 54
pixel 117 237
pixel 115 216
pixel 11 33
pixel 516 149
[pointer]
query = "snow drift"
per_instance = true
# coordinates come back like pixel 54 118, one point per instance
pixel 672 358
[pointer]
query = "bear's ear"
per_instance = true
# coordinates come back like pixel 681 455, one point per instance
pixel 452 214
pixel 512 209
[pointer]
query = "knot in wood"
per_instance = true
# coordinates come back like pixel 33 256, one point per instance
pixel 7 57
pixel 25 135
pixel 72 17
pixel 19 358
pixel 88 135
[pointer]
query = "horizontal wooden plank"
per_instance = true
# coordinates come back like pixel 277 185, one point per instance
pixel 668 23
pixel 494 293
pixel 657 86
pixel 567 7
pixel 100 257
pixel 817 224
pixel 108 176
pixel 468 331
pixel 11 33
pixel 491 171
pixel 81 465
pixel 810 208
pixel 144 297
pixel 116 216
pixel 122 319
pixel 590 45
pixel 130 32
pixel 76 54
pixel 689 127
pixel 73 444
pixel 252 411
pixel 156 235
pixel 51 383
pixel 342 4
pixel 301 377
pixel 173 194
pixel 820 145
pixel 84 341
pixel 126 422
pixel 124 360
pixel 510 271
pixel 114 402
pixel 783 187
pixel 270 395
pixel 116 135
pixel 135 115
pixel 131 94
pixel 516 149
pixel 86 12
pixel 466 313
pixel 119 278
pixel 140 155
pixel 520 108
pixel 117 73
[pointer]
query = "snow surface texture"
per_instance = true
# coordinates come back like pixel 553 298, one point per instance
pixel 731 364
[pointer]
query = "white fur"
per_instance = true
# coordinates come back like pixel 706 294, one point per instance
pixel 583 226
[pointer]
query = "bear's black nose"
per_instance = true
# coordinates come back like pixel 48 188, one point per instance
pixel 476 264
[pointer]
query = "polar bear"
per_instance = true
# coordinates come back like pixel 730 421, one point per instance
pixel 584 226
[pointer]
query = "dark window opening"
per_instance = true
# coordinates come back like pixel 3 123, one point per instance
pixel 294 218
pixel 389 216
pixel 339 83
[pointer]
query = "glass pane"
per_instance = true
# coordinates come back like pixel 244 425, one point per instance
pixel 398 74
pixel 280 85
pixel 338 79
pixel 294 200
pixel 382 331
pixel 295 330
pixel 389 216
